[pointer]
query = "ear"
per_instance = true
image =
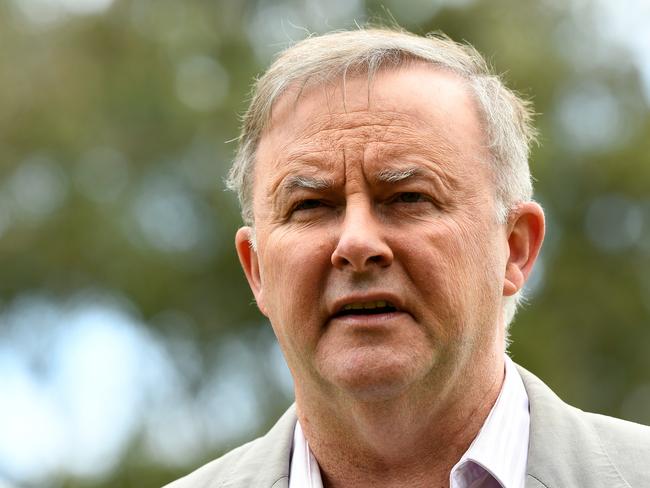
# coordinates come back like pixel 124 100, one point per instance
pixel 250 263
pixel 525 235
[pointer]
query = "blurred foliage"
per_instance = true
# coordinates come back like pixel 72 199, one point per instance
pixel 114 135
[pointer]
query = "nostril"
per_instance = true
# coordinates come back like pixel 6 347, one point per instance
pixel 360 255
pixel 379 259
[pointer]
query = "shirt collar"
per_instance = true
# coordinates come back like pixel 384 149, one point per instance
pixel 304 471
pixel 496 458
pixel 500 449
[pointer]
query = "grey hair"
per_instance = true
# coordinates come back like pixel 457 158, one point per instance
pixel 320 59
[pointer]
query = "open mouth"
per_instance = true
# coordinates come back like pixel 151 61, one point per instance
pixel 375 307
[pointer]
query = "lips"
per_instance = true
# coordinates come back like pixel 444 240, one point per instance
pixel 360 306
pixel 373 307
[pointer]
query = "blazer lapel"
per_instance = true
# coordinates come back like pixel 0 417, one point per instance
pixel 564 448
pixel 266 463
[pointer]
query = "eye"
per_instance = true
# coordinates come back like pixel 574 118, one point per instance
pixel 309 204
pixel 409 197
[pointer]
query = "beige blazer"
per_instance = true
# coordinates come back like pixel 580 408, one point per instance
pixel 568 448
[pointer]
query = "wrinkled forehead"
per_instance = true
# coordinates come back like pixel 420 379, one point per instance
pixel 433 105
pixel 389 90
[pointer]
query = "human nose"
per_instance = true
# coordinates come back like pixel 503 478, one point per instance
pixel 361 243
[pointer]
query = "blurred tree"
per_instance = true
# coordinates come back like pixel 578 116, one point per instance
pixel 116 131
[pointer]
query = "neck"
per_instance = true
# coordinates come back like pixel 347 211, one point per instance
pixel 413 439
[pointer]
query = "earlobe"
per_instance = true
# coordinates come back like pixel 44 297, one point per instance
pixel 250 264
pixel 525 236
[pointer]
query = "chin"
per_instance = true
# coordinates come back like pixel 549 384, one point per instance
pixel 374 375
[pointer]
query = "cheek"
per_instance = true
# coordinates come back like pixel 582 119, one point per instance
pixel 447 254
pixel 455 269
pixel 294 269
pixel 484 271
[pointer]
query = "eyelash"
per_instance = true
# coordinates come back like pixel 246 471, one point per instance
pixel 400 197
pixel 307 204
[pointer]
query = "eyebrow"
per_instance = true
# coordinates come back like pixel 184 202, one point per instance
pixel 395 175
pixel 316 183
pixel 299 182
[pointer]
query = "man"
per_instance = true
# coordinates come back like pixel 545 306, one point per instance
pixel 385 186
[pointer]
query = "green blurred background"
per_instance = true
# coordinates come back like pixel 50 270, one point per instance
pixel 130 350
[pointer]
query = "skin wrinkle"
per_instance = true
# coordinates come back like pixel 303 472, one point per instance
pixel 335 127
pixel 301 177
pixel 319 132
pixel 331 123
pixel 331 117
pixel 296 187
pixel 294 183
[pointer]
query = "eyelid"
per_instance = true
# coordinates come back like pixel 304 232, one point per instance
pixel 302 201
pixel 424 195
pixel 424 198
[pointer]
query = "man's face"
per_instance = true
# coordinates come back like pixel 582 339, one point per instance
pixel 379 261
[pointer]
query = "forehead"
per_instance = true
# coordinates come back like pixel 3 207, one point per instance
pixel 412 109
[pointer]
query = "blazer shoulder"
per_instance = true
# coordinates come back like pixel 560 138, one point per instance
pixel 218 471
pixel 627 444
pixel 263 462
pixel 570 447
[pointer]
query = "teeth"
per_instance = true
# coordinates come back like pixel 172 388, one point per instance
pixel 367 305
